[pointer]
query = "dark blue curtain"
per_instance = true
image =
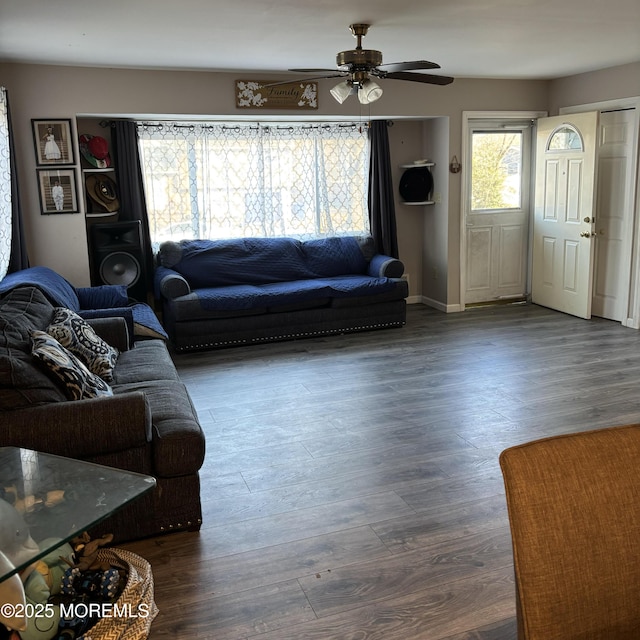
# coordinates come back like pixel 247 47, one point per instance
pixel 128 169
pixel 382 210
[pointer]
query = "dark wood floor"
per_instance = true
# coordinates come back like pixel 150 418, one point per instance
pixel 351 488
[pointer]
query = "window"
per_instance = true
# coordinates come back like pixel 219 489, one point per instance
pixel 565 138
pixel 5 187
pixel 496 170
pixel 206 180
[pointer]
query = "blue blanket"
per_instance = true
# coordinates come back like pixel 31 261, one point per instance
pixel 259 261
pixel 62 293
pixel 55 288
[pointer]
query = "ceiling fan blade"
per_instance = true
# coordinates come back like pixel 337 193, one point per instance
pixel 412 65
pixel 427 78
pixel 275 84
pixel 315 70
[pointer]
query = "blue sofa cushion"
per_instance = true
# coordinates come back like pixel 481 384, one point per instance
pixel 248 296
pixel 259 261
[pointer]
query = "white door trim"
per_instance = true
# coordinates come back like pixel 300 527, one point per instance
pixel 630 258
pixel 466 177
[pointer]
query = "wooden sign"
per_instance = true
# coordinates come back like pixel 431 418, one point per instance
pixel 251 94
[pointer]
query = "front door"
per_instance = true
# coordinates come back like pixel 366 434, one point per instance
pixel 563 228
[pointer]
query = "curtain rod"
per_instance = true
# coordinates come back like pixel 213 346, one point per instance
pixel 111 123
pixel 206 125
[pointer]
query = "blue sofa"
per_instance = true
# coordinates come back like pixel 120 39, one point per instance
pixel 222 293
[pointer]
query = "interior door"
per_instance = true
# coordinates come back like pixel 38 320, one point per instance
pixel 563 226
pixel 613 212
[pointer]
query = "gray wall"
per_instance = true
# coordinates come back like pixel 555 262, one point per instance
pixel 427 120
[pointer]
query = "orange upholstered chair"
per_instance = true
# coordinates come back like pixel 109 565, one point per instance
pixel 574 510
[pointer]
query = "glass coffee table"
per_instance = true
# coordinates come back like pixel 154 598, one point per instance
pixel 56 499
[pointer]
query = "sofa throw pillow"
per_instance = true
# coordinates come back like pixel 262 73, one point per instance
pixel 79 383
pixel 77 335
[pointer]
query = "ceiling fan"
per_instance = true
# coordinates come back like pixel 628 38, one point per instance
pixel 358 65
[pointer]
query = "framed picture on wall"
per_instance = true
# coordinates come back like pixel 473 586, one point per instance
pixel 53 142
pixel 58 192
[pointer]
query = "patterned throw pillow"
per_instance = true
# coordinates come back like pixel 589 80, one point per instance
pixel 79 382
pixel 77 335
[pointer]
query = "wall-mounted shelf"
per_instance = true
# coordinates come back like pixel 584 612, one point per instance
pixel 415 204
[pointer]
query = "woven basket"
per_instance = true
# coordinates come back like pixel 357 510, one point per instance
pixel 136 600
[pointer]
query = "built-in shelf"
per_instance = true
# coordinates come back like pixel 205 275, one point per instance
pixel 107 170
pixel 417 164
pixel 106 214
pixel 420 191
pixel 86 173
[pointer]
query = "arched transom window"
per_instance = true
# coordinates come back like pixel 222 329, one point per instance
pixel 565 138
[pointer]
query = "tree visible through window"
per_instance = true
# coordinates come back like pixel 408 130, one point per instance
pixel 213 181
pixel 496 170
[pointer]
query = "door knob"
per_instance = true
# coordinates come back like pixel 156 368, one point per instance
pixel 587 219
pixel 585 234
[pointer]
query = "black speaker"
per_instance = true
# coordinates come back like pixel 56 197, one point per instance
pixel 117 256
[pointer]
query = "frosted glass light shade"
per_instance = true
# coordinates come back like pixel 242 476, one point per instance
pixel 341 91
pixel 369 92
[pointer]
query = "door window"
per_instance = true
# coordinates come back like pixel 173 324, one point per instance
pixel 496 170
pixel 565 138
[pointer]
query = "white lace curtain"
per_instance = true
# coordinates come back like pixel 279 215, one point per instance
pixel 5 187
pixel 206 180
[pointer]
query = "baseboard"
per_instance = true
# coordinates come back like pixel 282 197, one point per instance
pixel 435 304
pixel 441 306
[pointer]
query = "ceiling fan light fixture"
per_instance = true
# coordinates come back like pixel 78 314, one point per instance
pixel 369 92
pixel 358 65
pixel 341 91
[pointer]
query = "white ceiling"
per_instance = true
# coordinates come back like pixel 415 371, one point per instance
pixel 468 38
